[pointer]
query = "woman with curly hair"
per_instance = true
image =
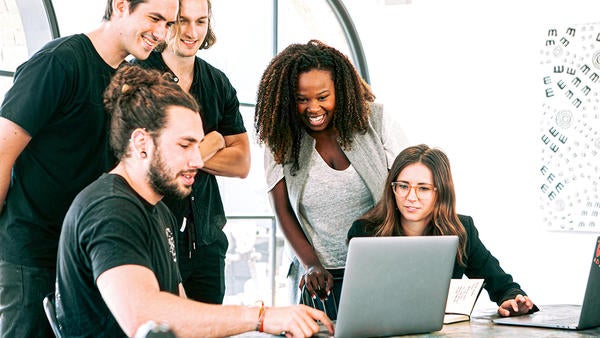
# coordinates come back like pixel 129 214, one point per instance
pixel 419 200
pixel 327 154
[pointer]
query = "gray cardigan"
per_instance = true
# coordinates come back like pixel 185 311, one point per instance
pixel 371 154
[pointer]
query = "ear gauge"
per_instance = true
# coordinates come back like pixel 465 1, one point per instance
pixel 143 154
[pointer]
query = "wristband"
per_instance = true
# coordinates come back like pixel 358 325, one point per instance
pixel 261 317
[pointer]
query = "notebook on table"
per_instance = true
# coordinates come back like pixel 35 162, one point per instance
pixel 395 285
pixel 462 296
pixel 570 317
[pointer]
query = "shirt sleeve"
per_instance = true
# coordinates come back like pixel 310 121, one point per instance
pixel 392 137
pixel 482 264
pixel 232 122
pixel 38 91
pixel 273 171
pixel 114 238
pixel 357 230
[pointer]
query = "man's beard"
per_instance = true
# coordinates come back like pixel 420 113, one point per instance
pixel 159 175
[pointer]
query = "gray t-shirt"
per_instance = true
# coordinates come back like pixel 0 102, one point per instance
pixel 332 199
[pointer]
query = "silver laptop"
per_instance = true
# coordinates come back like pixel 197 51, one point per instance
pixel 570 317
pixel 395 285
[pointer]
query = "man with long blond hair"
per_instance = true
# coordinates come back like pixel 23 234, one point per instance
pixel 202 244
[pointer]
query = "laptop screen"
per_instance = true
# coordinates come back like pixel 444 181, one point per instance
pixel 387 280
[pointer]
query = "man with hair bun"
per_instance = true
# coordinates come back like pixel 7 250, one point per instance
pixel 117 266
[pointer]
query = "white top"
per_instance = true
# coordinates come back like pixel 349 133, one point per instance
pixel 331 201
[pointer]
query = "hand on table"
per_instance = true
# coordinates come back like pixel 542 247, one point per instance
pixel 295 321
pixel 520 305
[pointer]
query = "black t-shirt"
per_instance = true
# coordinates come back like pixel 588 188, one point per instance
pixel 57 98
pixel 220 111
pixel 109 225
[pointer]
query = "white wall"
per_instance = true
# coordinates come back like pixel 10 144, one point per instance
pixel 463 75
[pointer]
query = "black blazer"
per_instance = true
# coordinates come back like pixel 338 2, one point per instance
pixel 480 263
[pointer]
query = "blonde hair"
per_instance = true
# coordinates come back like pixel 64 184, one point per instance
pixel 209 40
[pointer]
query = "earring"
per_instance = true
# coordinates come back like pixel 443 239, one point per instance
pixel 143 154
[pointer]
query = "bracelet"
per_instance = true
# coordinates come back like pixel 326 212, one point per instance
pixel 261 317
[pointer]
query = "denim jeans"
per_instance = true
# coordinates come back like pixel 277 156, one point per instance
pixel 22 289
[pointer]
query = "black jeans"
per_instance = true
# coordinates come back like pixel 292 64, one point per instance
pixel 22 290
pixel 203 273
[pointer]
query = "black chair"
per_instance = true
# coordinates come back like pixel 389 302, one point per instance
pixel 328 305
pixel 151 329
pixel 50 311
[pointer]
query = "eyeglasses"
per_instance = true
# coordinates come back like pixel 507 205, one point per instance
pixel 422 191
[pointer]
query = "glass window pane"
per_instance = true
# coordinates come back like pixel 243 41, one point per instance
pixel 316 20
pixel 5 83
pixel 73 17
pixel 250 260
pixel 247 196
pixel 244 31
pixel 13 46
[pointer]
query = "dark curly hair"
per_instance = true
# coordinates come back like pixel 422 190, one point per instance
pixel 139 98
pixel 275 119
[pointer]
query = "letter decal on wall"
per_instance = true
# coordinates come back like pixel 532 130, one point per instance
pixel 569 128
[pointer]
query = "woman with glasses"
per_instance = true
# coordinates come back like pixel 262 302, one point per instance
pixel 327 154
pixel 419 200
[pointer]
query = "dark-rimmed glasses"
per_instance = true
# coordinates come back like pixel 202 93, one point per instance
pixel 422 191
